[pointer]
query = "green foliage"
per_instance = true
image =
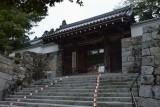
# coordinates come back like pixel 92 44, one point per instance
pixel 47 33
pixel 17 17
pixel 38 6
pixel 143 9
pixel 13 26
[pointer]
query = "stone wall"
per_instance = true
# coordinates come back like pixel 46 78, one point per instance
pixel 47 64
pixel 6 72
pixel 52 63
pixel 28 65
pixel 131 54
pixel 150 78
pixel 9 73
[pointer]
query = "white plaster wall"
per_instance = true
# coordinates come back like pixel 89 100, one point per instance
pixel 50 48
pixel 136 31
pixel 137 28
pixel 43 49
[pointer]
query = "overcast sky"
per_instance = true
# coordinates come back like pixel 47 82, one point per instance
pixel 72 12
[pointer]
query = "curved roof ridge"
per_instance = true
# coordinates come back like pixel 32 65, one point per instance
pixel 96 17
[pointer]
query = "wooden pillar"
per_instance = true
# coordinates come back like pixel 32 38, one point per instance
pixel 74 57
pixel 107 54
pixel 63 69
pixel 81 58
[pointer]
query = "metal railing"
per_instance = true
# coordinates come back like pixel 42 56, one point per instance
pixel 134 103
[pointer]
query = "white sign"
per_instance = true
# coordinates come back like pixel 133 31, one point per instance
pixel 100 69
pixel 73 59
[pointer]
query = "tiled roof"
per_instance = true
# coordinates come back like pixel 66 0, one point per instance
pixel 123 12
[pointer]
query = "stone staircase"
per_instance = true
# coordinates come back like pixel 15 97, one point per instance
pixel 75 91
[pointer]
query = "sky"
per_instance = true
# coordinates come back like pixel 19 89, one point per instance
pixel 72 12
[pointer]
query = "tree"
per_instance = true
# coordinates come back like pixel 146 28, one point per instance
pixel 17 17
pixel 39 6
pixel 46 33
pixel 14 27
pixel 143 9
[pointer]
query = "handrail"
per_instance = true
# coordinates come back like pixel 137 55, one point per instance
pixel 13 87
pixel 134 103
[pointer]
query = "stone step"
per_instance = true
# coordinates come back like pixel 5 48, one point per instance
pixel 76 90
pixel 81 80
pixel 51 101
pixel 80 98
pixel 52 88
pixel 58 94
pixel 114 104
pixel 68 81
pixel 81 86
pixel 115 94
pixel 121 99
pixel 84 84
pixel 29 104
pixel 107 94
pixel 66 92
pixel 60 90
pixel 119 90
pixel 128 83
pixel 11 106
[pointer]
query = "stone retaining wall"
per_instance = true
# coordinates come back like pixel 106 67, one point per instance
pixel 48 64
pixel 142 53
pixel 131 54
pixel 150 79
pixel 6 72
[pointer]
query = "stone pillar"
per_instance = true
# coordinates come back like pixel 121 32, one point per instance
pixel 150 78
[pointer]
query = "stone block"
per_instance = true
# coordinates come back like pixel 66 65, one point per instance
pixel 156 91
pixel 138 59
pixel 148 102
pixel 139 46
pixel 145 91
pixel 127 53
pixel 156 42
pixel 128 64
pixel 157 60
pixel 155 35
pixel 136 52
pixel 147 45
pixel 129 48
pixel 125 42
pixel 2 83
pixel 147 79
pixel 157 70
pixel 138 63
pixel 147 29
pixel 124 70
pixel 148 61
pixel 146 52
pixel 136 40
pixel 124 59
pixel 155 51
pixel 147 70
pixel 123 49
pixel 151 28
pixel 158 80
pixel 146 37
pixel 130 59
